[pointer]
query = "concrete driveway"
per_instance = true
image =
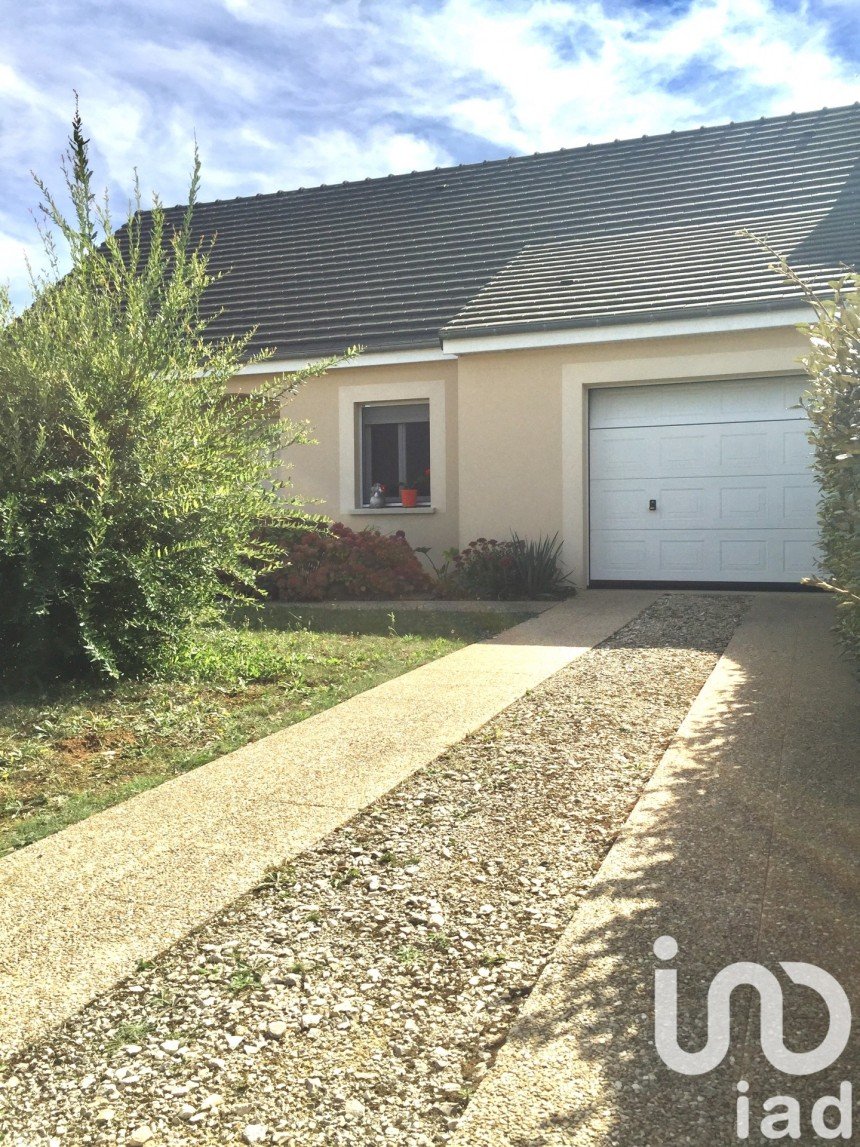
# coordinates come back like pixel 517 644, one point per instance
pixel 744 847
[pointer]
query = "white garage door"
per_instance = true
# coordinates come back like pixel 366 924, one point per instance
pixel 706 481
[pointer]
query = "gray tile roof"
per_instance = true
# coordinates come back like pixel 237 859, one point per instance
pixel 633 229
pixel 663 272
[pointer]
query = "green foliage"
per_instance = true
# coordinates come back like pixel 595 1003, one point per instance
pixel 228 655
pixel 832 402
pixel 491 570
pixel 288 529
pixel 485 570
pixel 538 569
pixel 127 1033
pixel 132 483
pixel 244 977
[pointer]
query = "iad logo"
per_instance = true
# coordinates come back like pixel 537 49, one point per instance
pixel 719 1015
pixel 784 1117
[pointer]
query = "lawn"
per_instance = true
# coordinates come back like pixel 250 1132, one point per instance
pixel 68 751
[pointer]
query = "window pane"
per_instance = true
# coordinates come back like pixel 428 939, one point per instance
pixel 418 455
pixel 383 461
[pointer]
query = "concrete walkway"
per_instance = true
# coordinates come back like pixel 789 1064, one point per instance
pixel 744 846
pixel 79 910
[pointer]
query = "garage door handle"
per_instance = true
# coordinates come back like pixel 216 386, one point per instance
pixel 652 503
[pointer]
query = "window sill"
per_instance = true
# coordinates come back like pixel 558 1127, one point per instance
pixel 391 510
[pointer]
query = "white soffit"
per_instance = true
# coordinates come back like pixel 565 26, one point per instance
pixel 378 358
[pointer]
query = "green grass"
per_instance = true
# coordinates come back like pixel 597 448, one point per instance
pixel 243 977
pixel 409 956
pixel 74 749
pixel 127 1033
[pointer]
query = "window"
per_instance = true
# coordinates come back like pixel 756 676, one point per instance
pixel 419 407
pixel 395 449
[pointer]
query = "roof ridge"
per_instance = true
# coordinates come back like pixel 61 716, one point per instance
pixel 512 159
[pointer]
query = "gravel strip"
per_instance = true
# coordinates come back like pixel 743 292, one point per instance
pixel 360 995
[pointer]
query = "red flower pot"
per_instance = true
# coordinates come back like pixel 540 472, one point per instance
pixel 409 497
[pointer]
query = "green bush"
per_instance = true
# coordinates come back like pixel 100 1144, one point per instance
pixel 490 570
pixel 832 402
pixel 538 569
pixel 289 528
pixel 484 570
pixel 131 483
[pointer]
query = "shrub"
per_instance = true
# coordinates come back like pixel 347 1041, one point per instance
pixel 832 402
pixel 505 571
pixel 288 529
pixel 337 563
pixel 538 569
pixel 485 570
pixel 131 483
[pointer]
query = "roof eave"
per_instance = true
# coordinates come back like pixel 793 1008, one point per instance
pixel 690 311
pixel 643 325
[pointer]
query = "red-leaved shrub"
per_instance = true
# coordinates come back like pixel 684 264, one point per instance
pixel 486 569
pixel 340 563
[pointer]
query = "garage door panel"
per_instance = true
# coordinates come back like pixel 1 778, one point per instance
pixel 652 555
pixel 797 450
pixel 746 557
pixel 735 494
pixel 696 402
pixel 800 555
pixel 799 502
pixel 708 450
pixel 730 503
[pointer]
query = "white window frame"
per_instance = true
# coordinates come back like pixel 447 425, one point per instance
pixel 351 399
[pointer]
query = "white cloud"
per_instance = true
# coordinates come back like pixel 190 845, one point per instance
pixel 773 61
pixel 282 93
pixel 29 115
pixel 215 71
pixel 14 253
pixel 311 159
pixel 782 53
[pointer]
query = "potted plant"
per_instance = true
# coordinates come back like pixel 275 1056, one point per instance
pixel 408 495
pixel 419 487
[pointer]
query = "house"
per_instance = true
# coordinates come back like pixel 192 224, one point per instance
pixel 576 343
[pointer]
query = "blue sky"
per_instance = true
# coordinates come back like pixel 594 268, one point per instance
pixel 288 93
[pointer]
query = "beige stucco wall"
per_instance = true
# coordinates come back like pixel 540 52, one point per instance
pixel 515 430
pixel 325 471
pixel 510 443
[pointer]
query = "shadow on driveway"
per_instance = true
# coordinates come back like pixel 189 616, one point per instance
pixel 744 847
